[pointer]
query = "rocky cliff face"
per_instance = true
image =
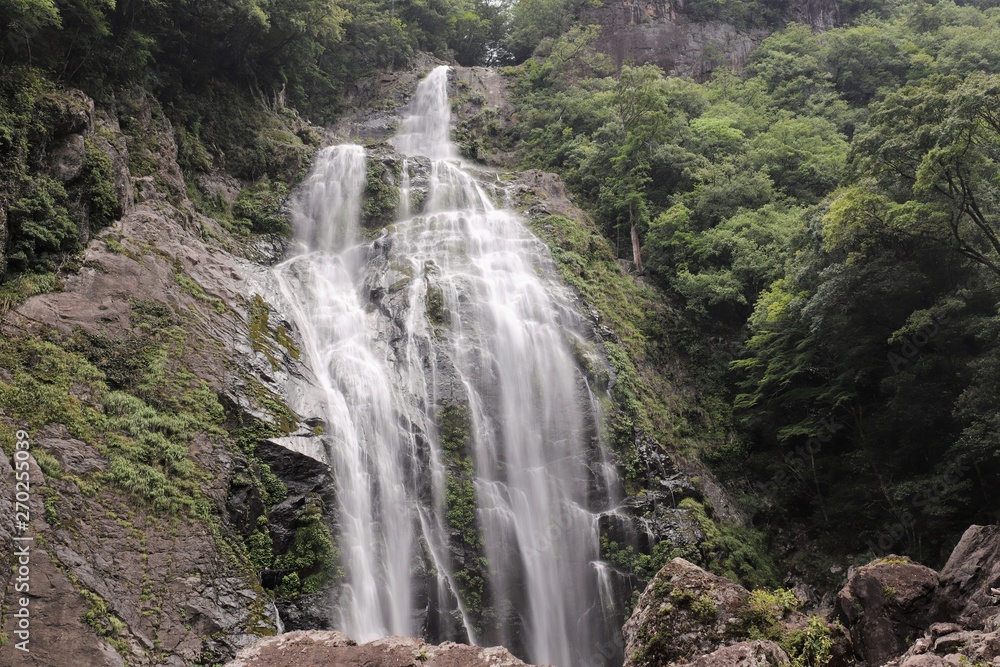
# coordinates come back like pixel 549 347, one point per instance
pixel 662 32
pixel 146 347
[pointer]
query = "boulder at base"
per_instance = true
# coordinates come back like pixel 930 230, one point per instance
pixel 685 612
pixel 968 579
pixel 315 648
pixel 885 606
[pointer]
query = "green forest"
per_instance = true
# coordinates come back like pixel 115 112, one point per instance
pixel 825 222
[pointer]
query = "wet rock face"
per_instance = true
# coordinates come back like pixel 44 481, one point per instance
pixel 305 478
pixel 325 649
pixel 163 581
pixel 685 612
pixel 885 606
pixel 178 594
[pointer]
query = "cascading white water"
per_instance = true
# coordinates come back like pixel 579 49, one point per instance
pixel 475 316
pixel 366 451
pixel 426 131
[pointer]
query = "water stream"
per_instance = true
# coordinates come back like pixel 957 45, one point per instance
pixel 444 350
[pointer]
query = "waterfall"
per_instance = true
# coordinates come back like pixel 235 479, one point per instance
pixel 445 353
pixel 366 449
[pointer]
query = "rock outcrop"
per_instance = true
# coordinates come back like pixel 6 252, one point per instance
pixel 886 605
pixel 664 33
pixel 892 612
pixel 326 649
pixel 758 653
pixel 113 581
pixel 899 613
pixel 685 612
pixel 970 580
pixel 949 644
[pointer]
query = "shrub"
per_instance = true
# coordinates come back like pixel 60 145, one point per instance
pixel 312 554
pixel 764 611
pixel 258 209
pixel 102 200
pixel 811 647
pixel 40 225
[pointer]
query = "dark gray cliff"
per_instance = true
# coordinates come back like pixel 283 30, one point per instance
pixel 664 33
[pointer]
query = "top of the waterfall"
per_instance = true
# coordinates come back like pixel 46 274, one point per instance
pixel 426 130
pixel 326 212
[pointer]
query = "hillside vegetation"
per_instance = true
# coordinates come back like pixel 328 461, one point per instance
pixel 828 221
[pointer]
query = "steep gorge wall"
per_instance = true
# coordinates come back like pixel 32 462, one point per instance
pixel 663 33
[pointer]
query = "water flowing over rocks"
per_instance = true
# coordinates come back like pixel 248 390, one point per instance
pixel 468 492
pixel 165 254
pixel 412 278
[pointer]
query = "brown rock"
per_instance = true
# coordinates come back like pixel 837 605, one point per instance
pixel 77 114
pixel 745 654
pixel 885 605
pixel 661 32
pixel 942 629
pixel 113 143
pixel 979 647
pixel 58 636
pixel 684 612
pixel 316 648
pixel 73 455
pixel 924 660
pixel 971 571
pixel 66 159
pixel 955 640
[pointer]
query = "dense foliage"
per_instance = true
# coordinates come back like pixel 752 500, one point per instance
pixel 230 78
pixel 830 217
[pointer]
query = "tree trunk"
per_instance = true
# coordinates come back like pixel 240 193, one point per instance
pixel 636 254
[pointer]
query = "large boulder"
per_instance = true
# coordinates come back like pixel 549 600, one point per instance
pixel 328 648
pixel 685 612
pixel 759 653
pixel 885 605
pixel 67 158
pixel 968 579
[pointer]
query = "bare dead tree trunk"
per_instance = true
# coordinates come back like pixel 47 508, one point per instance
pixel 636 254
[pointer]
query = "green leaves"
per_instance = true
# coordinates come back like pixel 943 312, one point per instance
pixel 26 17
pixel 40 223
pixel 257 209
pixel 939 145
